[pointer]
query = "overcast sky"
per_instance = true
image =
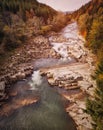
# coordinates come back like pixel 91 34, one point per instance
pixel 65 5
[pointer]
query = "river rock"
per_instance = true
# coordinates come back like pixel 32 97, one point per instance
pixel 51 81
pixel 49 75
pixel 58 39
pixel 2 88
pixel 20 75
pixel 82 119
pixel 87 87
pixel 14 78
pixel 70 76
pixel 52 52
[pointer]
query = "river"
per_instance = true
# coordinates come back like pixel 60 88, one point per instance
pixel 32 103
pixel 47 114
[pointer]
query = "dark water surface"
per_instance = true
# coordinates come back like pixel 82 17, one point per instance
pixel 20 113
pixel 47 114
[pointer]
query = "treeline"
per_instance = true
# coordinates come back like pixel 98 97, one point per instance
pixel 22 18
pixel 13 17
pixel 90 20
pixel 21 6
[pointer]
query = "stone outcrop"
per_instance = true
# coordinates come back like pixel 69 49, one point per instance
pixel 20 64
pixel 73 76
pixel 82 119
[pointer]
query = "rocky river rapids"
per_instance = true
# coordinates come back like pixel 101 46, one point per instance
pixel 53 97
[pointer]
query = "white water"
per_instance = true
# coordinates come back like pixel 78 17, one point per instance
pixel 36 80
pixel 49 113
pixel 72 44
pixel 71 31
pixel 61 49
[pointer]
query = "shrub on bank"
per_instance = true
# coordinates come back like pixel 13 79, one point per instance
pixel 45 29
pixel 59 21
pixel 12 38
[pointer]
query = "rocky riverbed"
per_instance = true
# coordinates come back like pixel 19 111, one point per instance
pixel 20 63
pixel 75 75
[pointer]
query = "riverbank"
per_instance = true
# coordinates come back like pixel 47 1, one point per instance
pixel 65 46
pixel 74 76
pixel 20 63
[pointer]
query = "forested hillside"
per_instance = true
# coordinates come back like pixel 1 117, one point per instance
pixel 90 20
pixel 27 43
pixel 20 19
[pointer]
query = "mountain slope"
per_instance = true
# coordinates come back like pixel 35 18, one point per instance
pixel 90 21
pixel 14 17
pixel 20 19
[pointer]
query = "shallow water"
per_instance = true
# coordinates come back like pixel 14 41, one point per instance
pixel 20 112
pixel 50 62
pixel 47 114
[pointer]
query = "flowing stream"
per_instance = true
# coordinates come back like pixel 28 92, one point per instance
pixel 47 114
pixel 33 104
